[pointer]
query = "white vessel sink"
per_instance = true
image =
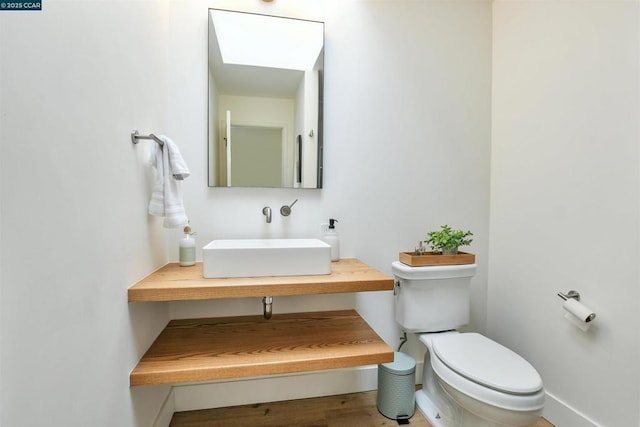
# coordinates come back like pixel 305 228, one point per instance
pixel 266 257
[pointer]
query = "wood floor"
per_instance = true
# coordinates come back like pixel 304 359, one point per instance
pixel 346 410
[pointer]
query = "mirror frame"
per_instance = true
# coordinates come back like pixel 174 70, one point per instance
pixel 295 137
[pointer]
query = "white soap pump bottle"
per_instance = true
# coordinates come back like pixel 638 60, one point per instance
pixel 187 254
pixel 331 238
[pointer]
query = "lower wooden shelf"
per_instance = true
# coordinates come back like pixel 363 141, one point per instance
pixel 193 350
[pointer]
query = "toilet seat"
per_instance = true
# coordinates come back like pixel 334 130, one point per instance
pixel 486 371
pixel 488 363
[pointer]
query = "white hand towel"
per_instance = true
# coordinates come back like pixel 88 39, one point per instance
pixel 166 199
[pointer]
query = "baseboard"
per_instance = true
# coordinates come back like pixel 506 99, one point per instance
pixel 274 388
pixel 163 419
pixel 219 394
pixel 560 413
pixel 305 385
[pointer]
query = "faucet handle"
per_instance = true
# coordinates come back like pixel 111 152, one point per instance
pixel 286 210
pixel 266 211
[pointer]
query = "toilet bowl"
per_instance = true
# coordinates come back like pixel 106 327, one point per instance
pixel 481 382
pixel 468 380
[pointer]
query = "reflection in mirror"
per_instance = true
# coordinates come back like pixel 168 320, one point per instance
pixel 265 101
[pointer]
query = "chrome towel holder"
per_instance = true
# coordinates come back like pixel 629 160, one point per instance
pixel 135 136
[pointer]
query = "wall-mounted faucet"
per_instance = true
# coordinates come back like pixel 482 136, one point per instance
pixel 286 210
pixel 266 211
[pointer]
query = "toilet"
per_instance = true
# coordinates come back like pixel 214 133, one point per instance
pixel 467 380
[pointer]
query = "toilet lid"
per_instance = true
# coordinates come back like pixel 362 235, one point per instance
pixel 486 362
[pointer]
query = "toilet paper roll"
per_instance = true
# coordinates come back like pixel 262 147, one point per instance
pixel 583 326
pixel 578 314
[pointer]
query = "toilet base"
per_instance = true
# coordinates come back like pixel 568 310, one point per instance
pixel 428 409
pixel 448 414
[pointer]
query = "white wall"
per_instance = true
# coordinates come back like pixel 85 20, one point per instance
pixel 564 200
pixel 407 116
pixel 407 135
pixel 75 80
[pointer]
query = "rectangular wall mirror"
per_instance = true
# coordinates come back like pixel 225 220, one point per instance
pixel 265 101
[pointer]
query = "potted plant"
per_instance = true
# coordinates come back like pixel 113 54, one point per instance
pixel 447 240
pixel 444 244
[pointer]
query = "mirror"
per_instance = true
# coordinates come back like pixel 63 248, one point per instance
pixel 265 101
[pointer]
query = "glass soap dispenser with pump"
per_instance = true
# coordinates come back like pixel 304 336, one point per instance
pixel 331 238
pixel 187 253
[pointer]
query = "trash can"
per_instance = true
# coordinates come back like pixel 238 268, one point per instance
pixel 397 387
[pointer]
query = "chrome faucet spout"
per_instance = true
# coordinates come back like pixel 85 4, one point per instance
pixel 266 211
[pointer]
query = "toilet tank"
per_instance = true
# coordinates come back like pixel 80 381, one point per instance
pixel 431 299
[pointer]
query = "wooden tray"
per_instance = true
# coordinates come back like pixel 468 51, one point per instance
pixel 436 258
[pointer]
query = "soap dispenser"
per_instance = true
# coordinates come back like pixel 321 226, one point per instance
pixel 331 237
pixel 187 248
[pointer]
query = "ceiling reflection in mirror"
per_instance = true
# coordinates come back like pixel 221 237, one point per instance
pixel 265 101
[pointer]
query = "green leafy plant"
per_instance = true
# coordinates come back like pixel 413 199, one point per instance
pixel 448 239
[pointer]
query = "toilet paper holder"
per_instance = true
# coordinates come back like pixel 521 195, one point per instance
pixel 571 294
pixel 585 313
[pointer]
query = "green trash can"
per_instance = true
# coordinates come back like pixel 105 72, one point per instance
pixel 396 387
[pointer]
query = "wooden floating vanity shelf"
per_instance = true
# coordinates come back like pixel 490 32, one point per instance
pixel 249 346
pixel 175 283
pixel 193 350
